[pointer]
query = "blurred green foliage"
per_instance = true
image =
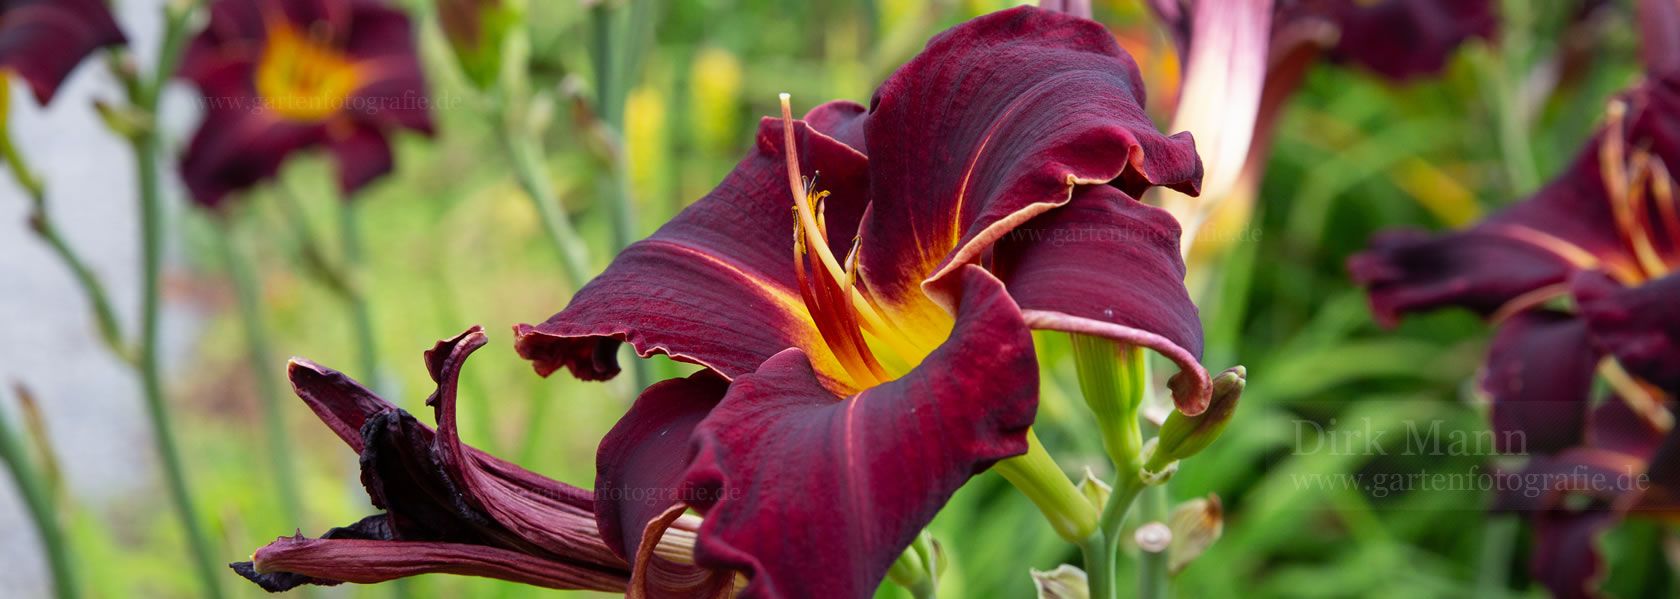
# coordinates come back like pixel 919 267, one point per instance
pixel 453 243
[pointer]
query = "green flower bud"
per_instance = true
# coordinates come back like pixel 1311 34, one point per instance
pixel 475 30
pixel 1184 436
pixel 1064 582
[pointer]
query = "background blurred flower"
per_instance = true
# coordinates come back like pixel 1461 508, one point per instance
pixel 1603 238
pixel 279 76
pixel 43 40
pixel 875 366
pixel 1256 53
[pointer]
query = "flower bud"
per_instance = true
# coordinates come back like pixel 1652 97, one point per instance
pixel 475 30
pixel 1064 582
pixel 1184 436
pixel 1195 525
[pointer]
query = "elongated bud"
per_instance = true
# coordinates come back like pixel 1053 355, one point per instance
pixel 919 567
pixel 1184 436
pixel 1114 378
pixel 1037 476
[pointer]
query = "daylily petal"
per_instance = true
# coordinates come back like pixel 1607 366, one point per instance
pixel 290 562
pixel 994 123
pixel 363 155
pixel 1540 374
pixel 1614 426
pixel 715 286
pixel 1659 23
pixel 813 495
pixel 1406 39
pixel 1528 247
pixel 1640 325
pixel 1566 559
pixel 1106 264
pixel 543 512
pixel 1570 498
pixel 640 467
pixel 842 120
pixel 642 459
pixel 43 40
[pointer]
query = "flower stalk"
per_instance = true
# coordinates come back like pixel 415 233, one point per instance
pixel 36 492
pixel 41 222
pixel 259 350
pixel 147 146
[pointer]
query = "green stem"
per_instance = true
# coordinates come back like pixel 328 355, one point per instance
pixel 151 368
pixel 40 221
pixel 355 293
pixel 147 147
pixel 1152 565
pixel 1499 538
pixel 260 352
pixel 34 489
pixel 526 157
pixel 1099 566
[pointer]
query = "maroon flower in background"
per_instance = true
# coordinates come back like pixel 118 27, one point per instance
pixel 279 76
pixel 43 40
pixel 449 508
pixel 1605 235
pixel 1581 281
pixel 869 349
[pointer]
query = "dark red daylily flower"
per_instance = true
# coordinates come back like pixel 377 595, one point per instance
pixel 1605 234
pixel 1604 237
pixel 43 40
pixel 450 508
pixel 279 76
pixel 873 320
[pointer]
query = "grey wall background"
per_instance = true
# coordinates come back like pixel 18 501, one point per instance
pixel 90 400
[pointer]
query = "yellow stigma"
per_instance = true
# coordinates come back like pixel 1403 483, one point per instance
pixel 301 78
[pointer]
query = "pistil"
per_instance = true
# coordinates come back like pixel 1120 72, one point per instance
pixel 834 293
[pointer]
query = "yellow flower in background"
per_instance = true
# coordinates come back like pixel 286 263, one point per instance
pixel 715 86
pixel 645 142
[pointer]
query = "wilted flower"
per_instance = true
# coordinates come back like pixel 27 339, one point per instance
pixel 867 280
pixel 43 40
pixel 279 76
pixel 450 508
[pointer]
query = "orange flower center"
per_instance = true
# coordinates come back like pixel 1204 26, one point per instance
pixel 859 330
pixel 302 78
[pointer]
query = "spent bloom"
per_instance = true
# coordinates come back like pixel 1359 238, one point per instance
pixel 450 508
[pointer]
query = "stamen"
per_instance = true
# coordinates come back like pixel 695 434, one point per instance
pixel 1662 194
pixel 800 199
pixel 1646 400
pixel 1624 188
pixel 1638 231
